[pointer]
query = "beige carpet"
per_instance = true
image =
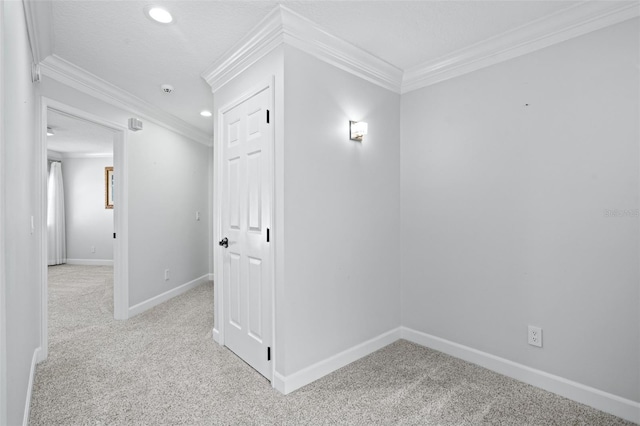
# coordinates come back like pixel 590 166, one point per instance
pixel 162 368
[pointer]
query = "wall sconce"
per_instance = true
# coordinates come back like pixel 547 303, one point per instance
pixel 357 130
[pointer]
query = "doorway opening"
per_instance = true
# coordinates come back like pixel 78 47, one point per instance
pixel 83 208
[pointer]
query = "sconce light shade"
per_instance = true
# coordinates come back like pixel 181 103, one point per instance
pixel 357 130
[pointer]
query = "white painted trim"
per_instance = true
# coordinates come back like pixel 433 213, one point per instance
pixel 314 40
pixel 121 227
pixel 273 227
pixel 32 375
pixel 120 213
pixel 3 293
pixel 38 18
pixel 261 40
pixel 618 406
pixel 86 155
pixel 568 23
pixel 216 218
pixel 156 300
pixel 283 25
pixel 600 400
pixel 32 30
pixel 287 384
pixel 216 229
pixel 211 276
pixel 78 78
pixel 90 262
pixel 216 336
pixel 42 175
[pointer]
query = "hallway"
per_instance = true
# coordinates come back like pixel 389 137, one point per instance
pixel 162 367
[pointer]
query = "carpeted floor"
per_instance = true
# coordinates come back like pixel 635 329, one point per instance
pixel 163 368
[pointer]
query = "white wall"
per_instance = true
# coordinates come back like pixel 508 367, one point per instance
pixel 88 223
pixel 22 272
pixel 341 206
pixel 167 184
pixel 503 209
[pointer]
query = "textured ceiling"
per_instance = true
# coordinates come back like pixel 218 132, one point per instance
pixel 117 42
pixel 75 136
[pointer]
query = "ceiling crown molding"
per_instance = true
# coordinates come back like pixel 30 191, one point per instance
pixel 78 78
pixel 85 155
pixel 283 26
pixel 566 24
pixel 38 18
pixel 261 40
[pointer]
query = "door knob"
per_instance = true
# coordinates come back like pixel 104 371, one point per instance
pixel 224 242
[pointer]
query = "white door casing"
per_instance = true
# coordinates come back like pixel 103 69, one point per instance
pixel 245 220
pixel 120 213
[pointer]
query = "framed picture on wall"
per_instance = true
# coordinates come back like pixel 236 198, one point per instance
pixel 108 187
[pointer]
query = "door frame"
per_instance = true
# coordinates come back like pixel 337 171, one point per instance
pixel 120 212
pixel 3 317
pixel 218 260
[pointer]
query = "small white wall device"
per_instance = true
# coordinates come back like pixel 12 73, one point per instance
pixel 135 124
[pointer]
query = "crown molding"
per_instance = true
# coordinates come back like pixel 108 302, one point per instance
pixel 262 39
pixel 561 26
pixel 309 37
pixel 86 155
pixel 60 156
pixel 78 78
pixel 38 17
pixel 283 26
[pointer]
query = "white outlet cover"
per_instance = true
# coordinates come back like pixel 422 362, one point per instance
pixel 534 336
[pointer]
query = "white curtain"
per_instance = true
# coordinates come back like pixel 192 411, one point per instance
pixel 57 246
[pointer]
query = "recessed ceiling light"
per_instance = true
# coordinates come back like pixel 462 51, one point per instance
pixel 159 14
pixel 205 113
pixel 50 131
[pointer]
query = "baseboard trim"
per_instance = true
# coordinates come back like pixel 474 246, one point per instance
pixel 90 262
pixel 211 275
pixel 613 404
pixel 154 301
pixel 32 374
pixel 288 384
pixel 216 336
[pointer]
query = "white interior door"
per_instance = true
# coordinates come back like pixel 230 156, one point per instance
pixel 245 219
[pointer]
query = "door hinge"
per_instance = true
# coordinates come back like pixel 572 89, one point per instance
pixel 268 353
pixel 114 235
pixel 267 116
pixel 267 234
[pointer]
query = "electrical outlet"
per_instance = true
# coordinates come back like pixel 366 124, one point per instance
pixel 535 336
pixel 93 249
pixel 166 275
pixel 197 215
